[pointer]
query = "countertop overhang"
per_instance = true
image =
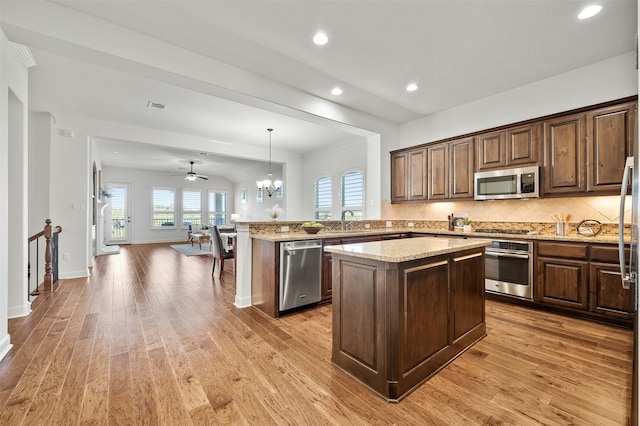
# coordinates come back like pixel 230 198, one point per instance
pixel 407 249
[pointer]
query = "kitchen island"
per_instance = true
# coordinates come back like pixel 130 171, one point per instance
pixel 403 309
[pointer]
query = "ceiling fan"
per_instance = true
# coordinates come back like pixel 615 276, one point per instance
pixel 191 175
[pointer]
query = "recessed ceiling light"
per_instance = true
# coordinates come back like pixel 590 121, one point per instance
pixel 336 91
pixel 320 39
pixel 589 11
pixel 412 87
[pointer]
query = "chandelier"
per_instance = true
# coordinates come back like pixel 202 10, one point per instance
pixel 269 185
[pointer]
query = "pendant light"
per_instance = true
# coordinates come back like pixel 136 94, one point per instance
pixel 269 185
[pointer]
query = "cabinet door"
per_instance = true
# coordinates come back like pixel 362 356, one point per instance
pixel 564 154
pixel 438 157
pixel 562 282
pixel 461 168
pixel 608 297
pixel 399 172
pixel 523 145
pixel 491 151
pixel 327 279
pixel 467 297
pixel 417 174
pixel 610 137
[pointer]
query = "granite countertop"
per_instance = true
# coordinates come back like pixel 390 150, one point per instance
pixel 610 239
pixel 324 233
pixel 296 236
pixel 404 250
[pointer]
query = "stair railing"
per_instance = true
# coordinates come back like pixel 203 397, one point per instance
pixel 48 237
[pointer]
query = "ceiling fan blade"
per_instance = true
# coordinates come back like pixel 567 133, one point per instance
pixel 203 177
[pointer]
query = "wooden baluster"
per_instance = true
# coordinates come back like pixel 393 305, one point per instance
pixel 48 268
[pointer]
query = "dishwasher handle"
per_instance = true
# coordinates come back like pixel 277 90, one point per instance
pixel 293 250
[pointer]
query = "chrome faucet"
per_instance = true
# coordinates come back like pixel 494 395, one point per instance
pixel 344 213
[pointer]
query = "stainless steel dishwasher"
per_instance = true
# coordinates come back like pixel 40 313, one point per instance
pixel 300 273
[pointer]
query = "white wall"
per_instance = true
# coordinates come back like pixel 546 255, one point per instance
pixel 19 304
pixel 254 210
pixel 14 77
pixel 603 81
pixel 142 182
pixel 70 181
pixel 40 134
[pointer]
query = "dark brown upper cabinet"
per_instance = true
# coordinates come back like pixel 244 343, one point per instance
pixel 581 151
pixel 438 171
pixel 461 168
pixel 610 140
pixel 523 145
pixel 409 175
pixel 565 154
pixel 514 146
pixel 450 169
pixel 491 151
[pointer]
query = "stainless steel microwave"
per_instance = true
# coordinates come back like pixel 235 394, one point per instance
pixel 522 182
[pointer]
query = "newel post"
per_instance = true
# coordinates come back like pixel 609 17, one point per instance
pixel 48 268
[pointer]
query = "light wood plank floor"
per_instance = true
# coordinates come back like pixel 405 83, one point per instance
pixel 152 338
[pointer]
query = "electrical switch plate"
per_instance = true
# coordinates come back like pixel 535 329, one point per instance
pixel 367 226
pixel 284 229
pixel 66 256
pixel 389 224
pixel 410 224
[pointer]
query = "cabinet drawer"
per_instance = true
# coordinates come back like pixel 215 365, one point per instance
pixel 567 250
pixel 607 254
pixel 331 241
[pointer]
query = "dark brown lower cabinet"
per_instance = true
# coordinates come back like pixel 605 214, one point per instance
pixel 608 297
pixel 583 279
pixel 563 282
pixel 397 324
pixel 327 281
pixel 326 291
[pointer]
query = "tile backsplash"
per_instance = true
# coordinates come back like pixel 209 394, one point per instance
pixel 605 209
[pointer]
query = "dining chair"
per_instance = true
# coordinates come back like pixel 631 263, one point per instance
pixel 189 236
pixel 219 253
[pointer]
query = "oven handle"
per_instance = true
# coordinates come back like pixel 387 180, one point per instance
pixel 500 254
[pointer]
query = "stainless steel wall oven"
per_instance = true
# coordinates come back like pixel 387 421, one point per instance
pixel 509 268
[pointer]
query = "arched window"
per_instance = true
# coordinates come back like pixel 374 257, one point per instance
pixel 352 193
pixel 322 198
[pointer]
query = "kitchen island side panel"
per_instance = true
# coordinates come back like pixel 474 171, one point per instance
pixel 412 309
pixel 359 319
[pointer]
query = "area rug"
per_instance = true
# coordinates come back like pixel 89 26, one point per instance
pixel 194 250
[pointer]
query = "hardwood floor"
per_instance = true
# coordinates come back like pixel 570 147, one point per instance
pixel 152 338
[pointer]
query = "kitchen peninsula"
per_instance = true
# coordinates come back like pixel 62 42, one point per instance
pixel 403 309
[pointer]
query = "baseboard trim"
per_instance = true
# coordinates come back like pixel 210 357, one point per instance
pixel 19 311
pixel 5 346
pixel 242 302
pixel 74 274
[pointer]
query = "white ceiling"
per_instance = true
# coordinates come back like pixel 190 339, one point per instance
pixel 227 70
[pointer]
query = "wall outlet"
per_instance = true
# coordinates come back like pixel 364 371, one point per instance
pixel 78 206
pixel 367 226
pixel 284 229
pixel 410 224
pixel 389 224
pixel 66 256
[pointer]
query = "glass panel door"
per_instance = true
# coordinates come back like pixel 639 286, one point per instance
pixel 118 228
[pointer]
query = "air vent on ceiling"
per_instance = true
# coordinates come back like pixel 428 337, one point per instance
pixel 158 105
